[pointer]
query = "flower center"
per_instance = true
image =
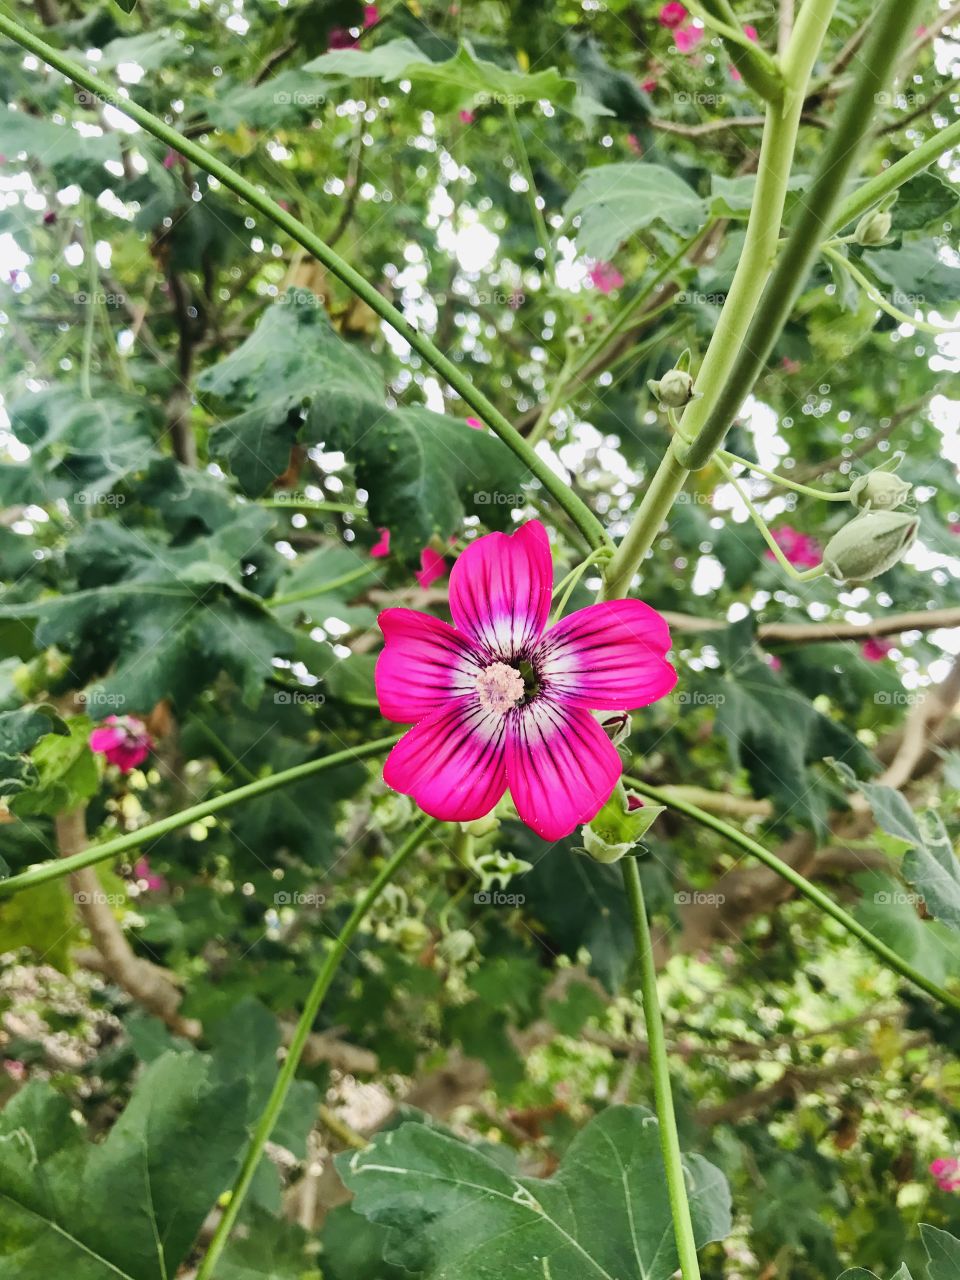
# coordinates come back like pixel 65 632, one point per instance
pixel 499 687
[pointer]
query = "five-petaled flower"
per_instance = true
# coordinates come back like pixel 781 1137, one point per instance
pixel 499 700
pixel 124 740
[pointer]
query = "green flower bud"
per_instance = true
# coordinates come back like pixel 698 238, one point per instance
pixel 456 946
pixel 874 227
pixel 619 826
pixel 411 934
pixel 879 490
pixel 674 390
pixel 870 545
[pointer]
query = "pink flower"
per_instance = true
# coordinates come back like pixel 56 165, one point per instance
pixel 875 649
pixel 499 701
pixel 381 548
pixel 475 423
pixel 467 117
pixel 751 34
pixel 633 142
pixel 49 218
pixel 170 159
pixel 790 366
pixel 954 527
pixel 672 15
pixel 687 38
pixel 124 740
pixel 432 567
pixel 801 550
pixel 340 37
pixel 15 1069
pixel 150 882
pixel 773 662
pixel 605 277
pixel 947 1173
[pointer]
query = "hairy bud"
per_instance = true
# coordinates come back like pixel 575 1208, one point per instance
pixel 870 545
pixel 619 826
pixel 674 390
pixel 879 490
pixel 874 227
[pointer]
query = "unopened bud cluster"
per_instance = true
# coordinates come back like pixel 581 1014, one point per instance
pixel 880 535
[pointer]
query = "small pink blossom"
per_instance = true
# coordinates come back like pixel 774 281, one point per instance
pixel 15 1069
pixel 876 649
pixel 802 551
pixel 773 662
pixel 340 37
pixel 50 217
pixel 605 277
pixel 954 527
pixel 498 700
pixel 946 1171
pixel 432 567
pixel 687 38
pixel 381 548
pixel 920 31
pixel 467 117
pixel 171 158
pixel 150 882
pixel 124 740
pixel 672 15
pixel 633 142
pixel 751 34
pixel 475 423
pixel 790 366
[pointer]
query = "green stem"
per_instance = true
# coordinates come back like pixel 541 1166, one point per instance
pixel 578 511
pixel 803 886
pixel 568 585
pixel 722 401
pixel 775 478
pixel 872 192
pixel 660 1068
pixel 93 288
pixel 308 504
pixel 759 70
pixel 756 260
pixel 764 528
pixel 44 872
pixel 324 588
pixel 539 222
pixel 877 298
pixel 288 1071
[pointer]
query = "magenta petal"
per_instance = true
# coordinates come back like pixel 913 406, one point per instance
pixel 561 766
pixel 608 656
pixel 500 589
pixel 452 762
pixel 424 663
pixel 106 738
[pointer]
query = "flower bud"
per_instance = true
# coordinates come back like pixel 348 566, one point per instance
pixel 617 728
pixel 874 227
pixel 870 545
pixel 674 390
pixel 619 826
pixel 879 490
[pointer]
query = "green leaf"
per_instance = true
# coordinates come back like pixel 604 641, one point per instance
pixel 41 918
pixel 459 80
pixel 616 200
pixel 267 1248
pixel 891 914
pixel 917 275
pixel 604 1214
pixel 65 772
pixel 733 197
pixel 19 731
pixel 943 1251
pixel 162 1165
pixel 292 375
pixel 924 200
pixel 314 577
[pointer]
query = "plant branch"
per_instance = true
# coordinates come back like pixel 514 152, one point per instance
pixel 301 1035
pixel 563 495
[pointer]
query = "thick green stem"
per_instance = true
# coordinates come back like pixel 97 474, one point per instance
pixel 660 1068
pixel 907 167
pixel 756 262
pixel 288 1071
pixel 803 886
pixel 563 495
pixel 707 426
pixel 47 871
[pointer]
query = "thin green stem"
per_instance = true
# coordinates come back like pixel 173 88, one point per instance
pixel 884 184
pixel 324 588
pixel 760 71
pixel 93 288
pixel 764 528
pixel 877 298
pixel 576 509
pixel 767 316
pixel 308 504
pixel 44 872
pixel 803 886
pixel 523 159
pixel 568 585
pixel 660 1069
pixel 285 1078
pixel 775 478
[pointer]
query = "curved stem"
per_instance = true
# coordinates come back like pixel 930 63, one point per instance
pixel 578 511
pixel 660 1068
pixel 323 588
pixel 47 871
pixel 877 298
pixel 803 886
pixel 774 546
pixel 775 478
pixel 308 504
pixel 285 1078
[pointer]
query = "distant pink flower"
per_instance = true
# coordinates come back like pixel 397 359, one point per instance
pixel 605 277
pixel 467 117
pixel 947 1173
pixel 50 217
pixel 340 37
pixel 790 366
pixel 284 204
pixel 475 423
pixel 920 31
pixel 15 1069
pixel 124 740
pixel 751 34
pixel 801 550
pixel 875 649
pixel 499 701
pixel 687 38
pixel 633 142
pixel 773 662
pixel 382 547
pixel 955 527
pixel 151 882
pixel 432 567
pixel 171 158
pixel 672 15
